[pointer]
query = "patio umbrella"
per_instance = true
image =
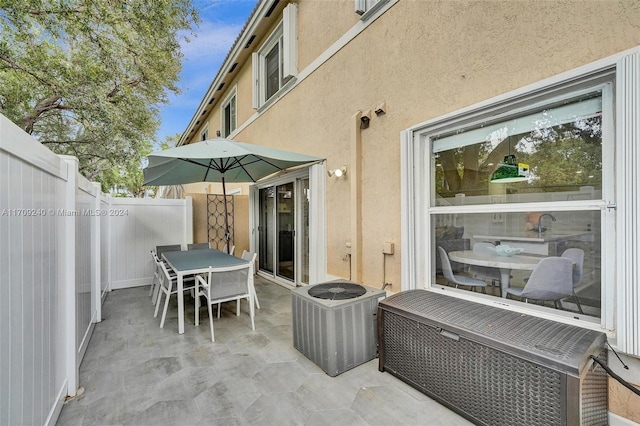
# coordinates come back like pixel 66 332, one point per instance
pixel 219 160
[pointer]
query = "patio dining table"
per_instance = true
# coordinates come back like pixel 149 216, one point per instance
pixel 195 262
pixel 503 263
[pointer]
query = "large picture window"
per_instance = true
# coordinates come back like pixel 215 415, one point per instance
pixel 486 231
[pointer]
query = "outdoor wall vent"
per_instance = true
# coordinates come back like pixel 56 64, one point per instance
pixel 253 37
pixel 271 8
pixel 233 67
pixel 491 365
pixel 211 101
pixel 221 86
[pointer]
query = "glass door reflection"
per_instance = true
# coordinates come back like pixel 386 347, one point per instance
pixel 285 225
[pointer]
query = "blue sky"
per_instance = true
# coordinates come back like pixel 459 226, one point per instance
pixel 221 22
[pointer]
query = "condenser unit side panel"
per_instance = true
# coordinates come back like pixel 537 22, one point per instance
pixel 336 336
pixel 310 331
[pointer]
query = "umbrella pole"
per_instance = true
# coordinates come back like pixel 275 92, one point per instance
pixel 226 217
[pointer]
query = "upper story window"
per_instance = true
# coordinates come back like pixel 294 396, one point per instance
pixel 228 124
pixel 276 61
pixel 366 8
pixel 204 135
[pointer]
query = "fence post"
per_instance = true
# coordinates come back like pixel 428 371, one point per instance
pixel 97 219
pixel 109 245
pixel 188 221
pixel 67 273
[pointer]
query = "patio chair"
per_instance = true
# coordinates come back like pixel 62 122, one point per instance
pixel 485 272
pixel 251 257
pixel 162 249
pixel 156 278
pixel 155 283
pixel 551 280
pixel 198 246
pixel 458 280
pixel 577 257
pixel 168 287
pixel 224 285
pixel 224 249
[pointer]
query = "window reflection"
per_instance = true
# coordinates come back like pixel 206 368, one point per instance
pixel 562 146
pixel 537 235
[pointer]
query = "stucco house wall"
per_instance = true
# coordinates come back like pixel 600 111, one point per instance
pixel 424 59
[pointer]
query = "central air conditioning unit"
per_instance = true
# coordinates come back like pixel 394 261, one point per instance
pixel 491 365
pixel 334 324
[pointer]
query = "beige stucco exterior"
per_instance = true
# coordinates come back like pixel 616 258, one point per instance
pixel 424 59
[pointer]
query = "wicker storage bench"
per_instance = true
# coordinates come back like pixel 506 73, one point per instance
pixel 493 366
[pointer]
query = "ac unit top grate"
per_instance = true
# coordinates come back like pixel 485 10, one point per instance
pixel 337 291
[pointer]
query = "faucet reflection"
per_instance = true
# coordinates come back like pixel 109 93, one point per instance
pixel 539 227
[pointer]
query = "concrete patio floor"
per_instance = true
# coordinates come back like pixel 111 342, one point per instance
pixel 135 373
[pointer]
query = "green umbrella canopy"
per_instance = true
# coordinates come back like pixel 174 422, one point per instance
pixel 219 160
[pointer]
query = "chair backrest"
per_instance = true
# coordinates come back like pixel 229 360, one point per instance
pixel 228 281
pixel 162 249
pixel 550 280
pixel 233 249
pixel 164 278
pixel 483 248
pixel 446 265
pixel 251 257
pixel 577 257
pixel 197 246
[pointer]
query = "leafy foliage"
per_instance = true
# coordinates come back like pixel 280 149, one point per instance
pixel 86 77
pixel 563 156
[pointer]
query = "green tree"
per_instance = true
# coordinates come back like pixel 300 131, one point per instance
pixel 86 78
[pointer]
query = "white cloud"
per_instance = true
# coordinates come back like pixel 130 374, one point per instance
pixel 211 44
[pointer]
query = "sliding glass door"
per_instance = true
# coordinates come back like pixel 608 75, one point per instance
pixel 283 224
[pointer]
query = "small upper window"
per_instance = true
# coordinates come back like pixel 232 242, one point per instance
pixel 366 8
pixel 229 114
pixel 276 61
pixel 205 134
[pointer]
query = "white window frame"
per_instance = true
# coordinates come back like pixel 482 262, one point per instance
pixel 285 37
pixel 621 301
pixel 204 133
pixel 418 190
pixel 368 8
pixel 227 101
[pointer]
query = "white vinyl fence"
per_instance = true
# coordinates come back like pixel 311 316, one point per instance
pixel 63 246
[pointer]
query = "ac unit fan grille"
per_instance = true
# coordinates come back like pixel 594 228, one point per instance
pixel 336 291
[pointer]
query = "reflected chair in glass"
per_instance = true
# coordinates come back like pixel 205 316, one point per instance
pixel 223 285
pixel 168 286
pixel 485 272
pixel 224 249
pixel 577 257
pixel 197 246
pixel 551 280
pixel 457 279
